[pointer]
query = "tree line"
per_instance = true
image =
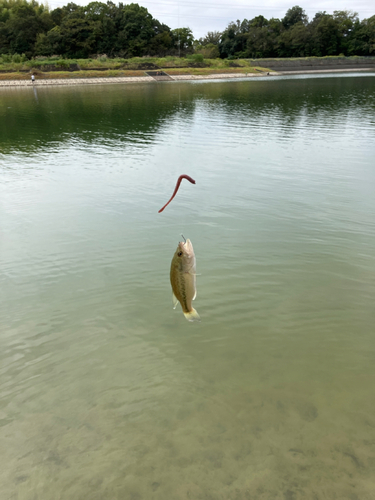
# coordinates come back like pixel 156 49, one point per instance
pixel 341 33
pixel 73 31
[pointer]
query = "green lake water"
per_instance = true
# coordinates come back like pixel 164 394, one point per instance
pixel 106 392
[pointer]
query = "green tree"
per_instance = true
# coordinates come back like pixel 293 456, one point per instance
pixel 264 37
pixel 325 36
pixel 233 41
pixel 208 51
pixel 362 41
pixel 346 21
pixel 258 22
pixel 19 33
pixel 78 37
pixel 294 41
pixel 75 37
pixel 259 43
pixel 105 17
pixel 293 16
pixel 161 44
pixel 134 30
pixel 49 43
pixel 183 40
pixel 212 37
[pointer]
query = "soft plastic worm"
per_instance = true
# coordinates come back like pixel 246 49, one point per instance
pixel 187 177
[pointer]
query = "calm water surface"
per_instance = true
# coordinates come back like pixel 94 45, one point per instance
pixel 106 391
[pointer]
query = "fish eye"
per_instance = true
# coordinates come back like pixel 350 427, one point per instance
pixel 179 254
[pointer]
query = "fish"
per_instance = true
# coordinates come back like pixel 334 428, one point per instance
pixel 183 279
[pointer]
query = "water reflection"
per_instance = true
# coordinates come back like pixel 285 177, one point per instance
pixel 35 94
pixel 125 114
pixel 130 113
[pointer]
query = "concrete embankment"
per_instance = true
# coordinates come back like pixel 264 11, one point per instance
pixel 316 64
pixel 122 80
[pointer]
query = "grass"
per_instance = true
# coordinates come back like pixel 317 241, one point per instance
pixel 55 67
pixel 18 63
pixel 69 74
pixel 121 73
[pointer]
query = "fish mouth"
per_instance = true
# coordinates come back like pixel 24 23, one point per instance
pixel 186 245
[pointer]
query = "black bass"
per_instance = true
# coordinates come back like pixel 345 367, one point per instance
pixel 183 279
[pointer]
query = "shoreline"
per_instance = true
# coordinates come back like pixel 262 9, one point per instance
pixel 148 79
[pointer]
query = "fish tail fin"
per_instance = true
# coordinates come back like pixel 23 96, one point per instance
pixel 192 315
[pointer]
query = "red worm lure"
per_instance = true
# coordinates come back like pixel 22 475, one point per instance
pixel 187 177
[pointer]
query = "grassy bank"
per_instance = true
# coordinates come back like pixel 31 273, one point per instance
pixel 55 67
pixel 17 67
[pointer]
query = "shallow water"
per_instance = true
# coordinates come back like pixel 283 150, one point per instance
pixel 106 391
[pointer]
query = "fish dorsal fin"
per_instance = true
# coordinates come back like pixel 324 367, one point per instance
pixel 174 300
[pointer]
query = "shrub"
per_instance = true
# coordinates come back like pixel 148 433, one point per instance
pixel 62 63
pixel 35 63
pixel 195 57
pixel 161 62
pixel 209 51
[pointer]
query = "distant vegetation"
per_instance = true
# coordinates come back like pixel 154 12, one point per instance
pixel 73 31
pixel 31 30
pixel 294 36
pixel 101 66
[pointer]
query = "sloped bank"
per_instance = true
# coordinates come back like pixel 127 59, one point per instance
pixel 121 80
pixel 314 64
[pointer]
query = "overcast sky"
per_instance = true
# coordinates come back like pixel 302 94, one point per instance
pixel 214 15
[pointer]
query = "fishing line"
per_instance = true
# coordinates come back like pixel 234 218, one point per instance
pixel 179 89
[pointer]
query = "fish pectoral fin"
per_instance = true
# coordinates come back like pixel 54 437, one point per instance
pixel 174 300
pixel 195 294
pixel 192 315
